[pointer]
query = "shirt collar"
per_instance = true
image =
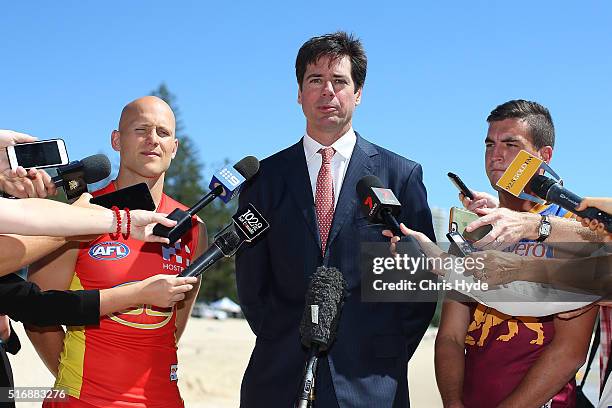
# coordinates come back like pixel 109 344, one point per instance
pixel 343 146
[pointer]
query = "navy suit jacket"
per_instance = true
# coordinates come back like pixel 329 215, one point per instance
pixel 367 364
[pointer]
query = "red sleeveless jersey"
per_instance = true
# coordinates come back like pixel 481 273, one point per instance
pixel 129 359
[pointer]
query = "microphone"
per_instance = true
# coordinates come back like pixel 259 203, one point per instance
pixel 225 184
pixel 551 191
pixel 378 203
pixel 247 225
pixel 324 300
pixel 230 181
pixel 75 176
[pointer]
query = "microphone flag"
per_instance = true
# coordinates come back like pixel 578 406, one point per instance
pixel 519 173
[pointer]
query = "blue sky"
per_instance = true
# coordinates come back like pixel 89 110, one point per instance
pixel 435 71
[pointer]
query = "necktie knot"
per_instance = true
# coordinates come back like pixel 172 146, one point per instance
pixel 327 153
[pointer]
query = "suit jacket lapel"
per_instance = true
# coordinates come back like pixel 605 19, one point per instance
pixel 299 185
pixel 359 166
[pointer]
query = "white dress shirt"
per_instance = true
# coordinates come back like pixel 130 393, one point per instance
pixel 344 149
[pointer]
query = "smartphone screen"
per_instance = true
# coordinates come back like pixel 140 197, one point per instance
pixel 136 197
pixel 460 218
pixel 49 153
pixel 459 247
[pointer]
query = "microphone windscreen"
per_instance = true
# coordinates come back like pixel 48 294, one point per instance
pixel 324 300
pixel 540 185
pixel 96 168
pixel 366 183
pixel 247 167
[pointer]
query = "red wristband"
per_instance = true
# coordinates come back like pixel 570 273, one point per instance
pixel 115 209
pixel 129 223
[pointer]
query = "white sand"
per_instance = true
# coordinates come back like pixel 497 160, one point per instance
pixel 212 358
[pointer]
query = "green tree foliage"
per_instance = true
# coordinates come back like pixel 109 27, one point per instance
pixel 184 182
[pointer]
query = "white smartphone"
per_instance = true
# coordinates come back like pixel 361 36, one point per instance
pixel 40 155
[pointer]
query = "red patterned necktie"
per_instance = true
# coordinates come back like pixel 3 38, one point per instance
pixel 324 197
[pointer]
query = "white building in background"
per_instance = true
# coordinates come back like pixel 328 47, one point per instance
pixel 439 217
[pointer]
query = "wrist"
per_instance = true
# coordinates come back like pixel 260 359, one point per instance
pixel 531 226
pixel 2 185
pixel 118 298
pixel 137 294
pixel 123 221
pixel 117 223
pixel 525 269
pixel 126 223
pixel 4 159
pixel 110 221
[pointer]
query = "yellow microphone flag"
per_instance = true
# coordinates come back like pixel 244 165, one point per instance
pixel 519 173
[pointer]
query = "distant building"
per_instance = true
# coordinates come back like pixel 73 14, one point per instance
pixel 440 223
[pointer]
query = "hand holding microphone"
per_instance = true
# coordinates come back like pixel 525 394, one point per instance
pixel 551 191
pixel 73 177
pixel 32 183
pixel 522 177
pixel 378 203
pixel 36 183
pixel 141 222
pixel 427 245
pixel 163 290
pixel 381 206
pixel 601 203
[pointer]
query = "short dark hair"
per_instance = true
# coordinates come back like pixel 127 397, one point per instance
pixel 536 116
pixel 336 45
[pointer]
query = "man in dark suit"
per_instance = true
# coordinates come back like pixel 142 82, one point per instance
pixel 307 193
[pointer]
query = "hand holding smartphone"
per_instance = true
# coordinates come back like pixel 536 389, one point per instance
pixel 460 218
pixel 9 138
pixel 459 245
pixel 460 185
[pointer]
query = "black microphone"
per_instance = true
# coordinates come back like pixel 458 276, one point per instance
pixel 247 225
pixel 551 191
pixel 75 176
pixel 225 184
pixel 378 203
pixel 324 300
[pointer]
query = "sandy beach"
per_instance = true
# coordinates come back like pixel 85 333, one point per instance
pixel 213 355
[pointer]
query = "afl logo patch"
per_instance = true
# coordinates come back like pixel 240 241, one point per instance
pixel 109 251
